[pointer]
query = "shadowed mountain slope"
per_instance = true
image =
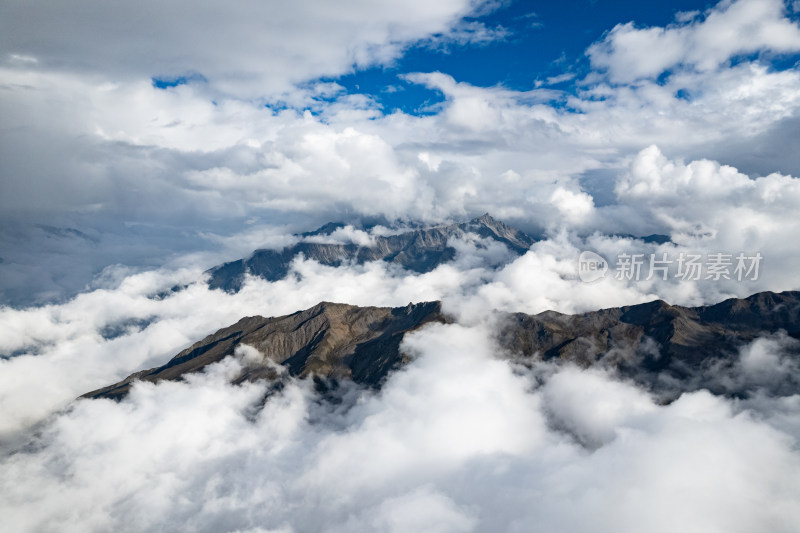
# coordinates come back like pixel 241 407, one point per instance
pixel 667 349
pixel 420 250
pixel 329 339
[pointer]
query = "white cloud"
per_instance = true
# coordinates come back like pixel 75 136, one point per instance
pixel 183 163
pixel 455 442
pixel 468 33
pixel 459 440
pixel 762 361
pixel 730 28
pixel 345 235
pixel 653 178
pixel 575 206
pixel 713 207
pixel 240 48
pixel 591 407
pixel 768 366
pixel 77 334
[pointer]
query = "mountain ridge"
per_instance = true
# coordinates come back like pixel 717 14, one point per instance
pixel 665 348
pixel 419 250
pixel 332 339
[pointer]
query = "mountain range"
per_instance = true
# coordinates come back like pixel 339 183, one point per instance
pixel 666 349
pixel 418 250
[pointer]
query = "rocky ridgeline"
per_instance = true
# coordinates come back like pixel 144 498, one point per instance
pixel 419 250
pixel 667 349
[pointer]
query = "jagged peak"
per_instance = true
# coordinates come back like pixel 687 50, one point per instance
pixel 418 250
pixel 325 229
pixel 485 219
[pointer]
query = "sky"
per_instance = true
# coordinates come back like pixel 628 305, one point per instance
pixel 141 144
pixel 140 135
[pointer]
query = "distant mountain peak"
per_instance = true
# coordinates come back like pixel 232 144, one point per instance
pixel 485 218
pixel 418 250
pixel 325 229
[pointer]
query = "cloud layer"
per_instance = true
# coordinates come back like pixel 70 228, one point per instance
pixel 455 442
pixel 240 49
pixel 132 320
pixel 136 152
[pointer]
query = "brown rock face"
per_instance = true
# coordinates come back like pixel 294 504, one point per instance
pixel 687 334
pixel 667 349
pixel 328 340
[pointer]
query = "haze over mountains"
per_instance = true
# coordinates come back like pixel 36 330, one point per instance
pixel 419 250
pixel 666 349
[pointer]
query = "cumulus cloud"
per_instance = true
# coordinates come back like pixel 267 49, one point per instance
pixel 732 28
pixel 344 235
pixel 114 156
pixel 704 199
pixel 763 361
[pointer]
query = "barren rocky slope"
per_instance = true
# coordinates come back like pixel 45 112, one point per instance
pixel 329 339
pixel 420 250
pixel 668 349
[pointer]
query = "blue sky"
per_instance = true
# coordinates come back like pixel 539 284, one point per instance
pixel 539 45
pixel 535 45
pixel 544 40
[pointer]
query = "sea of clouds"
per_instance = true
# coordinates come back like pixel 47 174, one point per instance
pixel 118 195
pixel 458 440
pixel 455 441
